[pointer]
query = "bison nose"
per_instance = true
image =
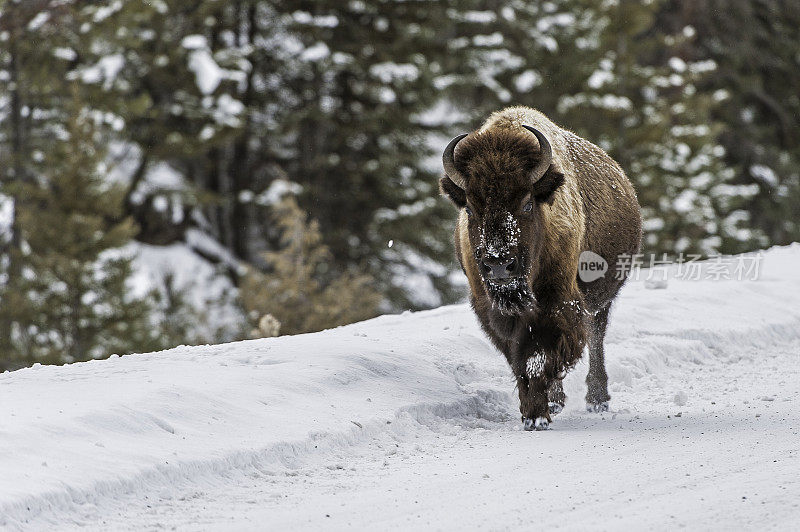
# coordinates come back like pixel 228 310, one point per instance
pixel 500 268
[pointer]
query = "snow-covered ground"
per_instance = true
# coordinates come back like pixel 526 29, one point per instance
pixel 412 421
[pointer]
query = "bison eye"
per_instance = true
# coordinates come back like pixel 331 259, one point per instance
pixel 469 211
pixel 528 207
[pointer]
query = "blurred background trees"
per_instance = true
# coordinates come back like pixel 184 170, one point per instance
pixel 181 172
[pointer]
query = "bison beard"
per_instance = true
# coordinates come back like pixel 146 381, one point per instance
pixel 511 296
pixel 532 197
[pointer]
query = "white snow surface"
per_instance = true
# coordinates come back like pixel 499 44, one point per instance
pixel 411 421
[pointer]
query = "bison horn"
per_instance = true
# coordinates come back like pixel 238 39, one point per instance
pixel 449 162
pixel 545 150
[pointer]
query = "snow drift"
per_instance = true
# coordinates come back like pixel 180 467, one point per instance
pixel 73 438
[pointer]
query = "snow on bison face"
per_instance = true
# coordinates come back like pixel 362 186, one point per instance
pixel 504 244
pixel 502 182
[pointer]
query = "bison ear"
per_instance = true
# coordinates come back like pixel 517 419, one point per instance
pixel 454 192
pixel 544 189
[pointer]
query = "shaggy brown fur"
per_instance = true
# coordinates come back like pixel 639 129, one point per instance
pixel 542 319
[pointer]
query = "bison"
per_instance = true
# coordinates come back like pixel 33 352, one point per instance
pixel 533 199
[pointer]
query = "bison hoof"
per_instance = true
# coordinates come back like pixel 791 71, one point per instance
pixel 555 408
pixel 597 407
pixel 540 423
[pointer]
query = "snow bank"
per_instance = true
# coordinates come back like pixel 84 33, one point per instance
pixel 72 437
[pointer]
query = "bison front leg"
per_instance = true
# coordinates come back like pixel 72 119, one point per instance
pixel 540 391
pixel 533 403
pixel 554 346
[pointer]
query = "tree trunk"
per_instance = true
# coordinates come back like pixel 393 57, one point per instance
pixel 239 168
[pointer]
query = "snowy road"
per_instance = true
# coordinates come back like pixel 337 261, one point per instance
pixel 412 421
pixel 730 461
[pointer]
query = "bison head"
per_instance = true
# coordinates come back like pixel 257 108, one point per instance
pixel 502 180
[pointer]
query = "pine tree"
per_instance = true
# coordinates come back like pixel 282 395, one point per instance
pixel 30 95
pixel 71 300
pixel 642 104
pixel 166 80
pixel 753 44
pixel 355 139
pixel 300 293
pixel 515 53
pixel 610 72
